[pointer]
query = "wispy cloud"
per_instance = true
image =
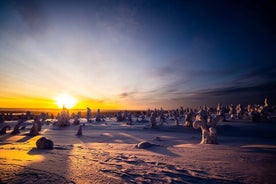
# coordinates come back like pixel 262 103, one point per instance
pixel 134 52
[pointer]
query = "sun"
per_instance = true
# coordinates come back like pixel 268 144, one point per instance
pixel 65 100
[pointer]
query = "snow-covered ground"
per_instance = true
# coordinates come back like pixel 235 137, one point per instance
pixel 106 153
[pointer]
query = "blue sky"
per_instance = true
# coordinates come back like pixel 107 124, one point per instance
pixel 138 54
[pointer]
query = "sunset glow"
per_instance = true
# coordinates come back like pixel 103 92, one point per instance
pixel 135 54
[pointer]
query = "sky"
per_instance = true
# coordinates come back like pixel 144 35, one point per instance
pixel 137 54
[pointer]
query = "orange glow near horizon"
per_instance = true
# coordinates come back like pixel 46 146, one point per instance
pixel 26 102
pixel 58 101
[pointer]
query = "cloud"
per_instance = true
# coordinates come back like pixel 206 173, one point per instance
pixel 211 86
pixel 257 75
pixel 269 87
pixel 124 95
pixel 127 94
pixel 92 101
pixel 231 95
